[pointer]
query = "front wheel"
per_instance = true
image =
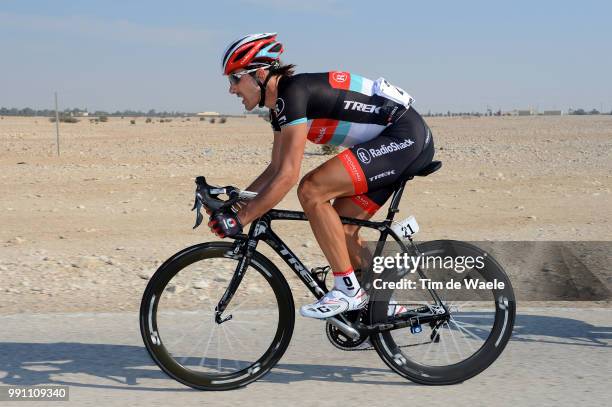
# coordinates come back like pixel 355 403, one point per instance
pixel 468 339
pixel 177 318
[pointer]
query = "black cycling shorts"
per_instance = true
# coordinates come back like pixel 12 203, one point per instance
pixel 376 166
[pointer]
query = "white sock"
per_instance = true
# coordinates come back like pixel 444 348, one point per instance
pixel 346 282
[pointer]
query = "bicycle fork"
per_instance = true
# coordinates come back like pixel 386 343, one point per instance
pixel 246 249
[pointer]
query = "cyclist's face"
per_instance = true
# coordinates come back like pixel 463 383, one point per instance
pixel 247 89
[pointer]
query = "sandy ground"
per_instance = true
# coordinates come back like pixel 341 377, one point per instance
pixel 556 357
pixel 83 231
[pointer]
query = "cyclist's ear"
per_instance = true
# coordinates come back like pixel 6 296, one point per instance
pixel 261 74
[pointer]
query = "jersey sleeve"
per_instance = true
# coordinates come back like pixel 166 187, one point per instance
pixel 292 103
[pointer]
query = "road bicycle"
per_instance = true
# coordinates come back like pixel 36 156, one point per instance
pixel 220 315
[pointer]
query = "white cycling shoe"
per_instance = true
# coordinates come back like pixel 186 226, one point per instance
pixel 333 303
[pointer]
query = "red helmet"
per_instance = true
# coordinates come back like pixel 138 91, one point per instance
pixel 252 51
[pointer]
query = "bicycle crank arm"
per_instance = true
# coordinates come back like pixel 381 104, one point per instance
pixel 347 329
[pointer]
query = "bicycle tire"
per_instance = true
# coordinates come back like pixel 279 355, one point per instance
pixel 152 338
pixel 505 312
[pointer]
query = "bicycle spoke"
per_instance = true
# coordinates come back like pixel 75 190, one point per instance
pixel 231 346
pixel 183 336
pixel 468 332
pixel 235 338
pixel 433 340
pixel 240 305
pixel 212 331
pixel 454 341
pixel 466 324
pixel 193 349
pixel 445 350
pixel 260 323
pixel 466 339
pixel 218 353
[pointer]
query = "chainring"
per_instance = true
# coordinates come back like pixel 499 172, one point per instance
pixel 341 340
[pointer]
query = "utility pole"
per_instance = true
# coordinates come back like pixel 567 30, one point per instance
pixel 57 125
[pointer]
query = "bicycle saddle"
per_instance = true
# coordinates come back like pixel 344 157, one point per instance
pixel 429 169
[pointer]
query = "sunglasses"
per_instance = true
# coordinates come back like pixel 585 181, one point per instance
pixel 234 78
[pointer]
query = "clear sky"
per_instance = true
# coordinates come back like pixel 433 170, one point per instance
pixel 450 55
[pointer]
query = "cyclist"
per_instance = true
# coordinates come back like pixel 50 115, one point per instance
pixel 385 136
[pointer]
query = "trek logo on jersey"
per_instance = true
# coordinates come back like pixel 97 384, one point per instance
pixel 361 107
pixel 382 175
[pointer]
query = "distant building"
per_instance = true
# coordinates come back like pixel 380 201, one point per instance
pixel 553 112
pixel 523 112
pixel 208 114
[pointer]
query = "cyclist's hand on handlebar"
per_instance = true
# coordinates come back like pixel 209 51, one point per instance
pixel 225 224
pixel 238 205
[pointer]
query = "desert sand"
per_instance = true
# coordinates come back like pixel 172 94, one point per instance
pixel 84 231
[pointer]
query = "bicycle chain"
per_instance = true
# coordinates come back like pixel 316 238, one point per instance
pixel 435 309
pixel 372 348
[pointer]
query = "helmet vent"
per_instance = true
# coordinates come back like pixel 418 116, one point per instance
pixel 241 54
pixel 275 48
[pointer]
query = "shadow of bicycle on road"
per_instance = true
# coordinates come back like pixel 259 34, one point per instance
pixel 125 366
pixel 544 329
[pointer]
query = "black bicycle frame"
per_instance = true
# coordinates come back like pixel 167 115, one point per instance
pixel 261 229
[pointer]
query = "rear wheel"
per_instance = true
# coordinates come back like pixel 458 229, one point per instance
pixel 461 345
pixel 177 318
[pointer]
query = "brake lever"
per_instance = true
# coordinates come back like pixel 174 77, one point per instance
pixel 203 189
pixel 197 206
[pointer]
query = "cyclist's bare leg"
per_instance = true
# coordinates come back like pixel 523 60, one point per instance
pixel 316 190
pixel 359 255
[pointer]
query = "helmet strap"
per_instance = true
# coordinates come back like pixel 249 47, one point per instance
pixel 262 87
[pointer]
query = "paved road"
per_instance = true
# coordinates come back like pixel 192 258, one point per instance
pixel 557 357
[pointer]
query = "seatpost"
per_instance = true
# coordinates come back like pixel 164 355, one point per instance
pixel 395 200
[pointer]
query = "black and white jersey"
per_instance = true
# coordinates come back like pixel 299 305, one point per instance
pixel 339 108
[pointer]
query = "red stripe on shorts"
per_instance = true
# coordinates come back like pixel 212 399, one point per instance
pixel 354 169
pixel 366 203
